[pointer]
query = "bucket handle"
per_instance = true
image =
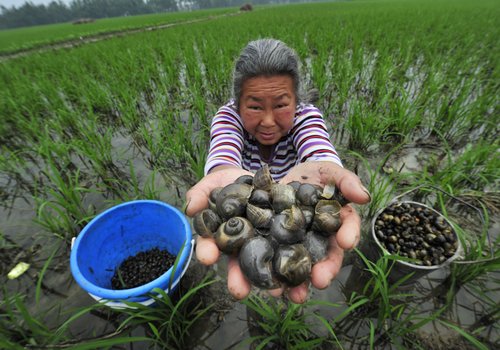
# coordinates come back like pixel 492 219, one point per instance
pixel 492 253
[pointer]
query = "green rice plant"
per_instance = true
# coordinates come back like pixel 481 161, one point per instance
pixel 475 168
pixel 61 209
pixel 382 187
pixel 476 343
pixel 282 323
pixel 19 326
pixel 480 258
pixel 148 188
pixel 62 337
pixel 170 321
pixel 390 312
pixel 13 40
pixel 363 125
pixel 196 155
pixel 94 149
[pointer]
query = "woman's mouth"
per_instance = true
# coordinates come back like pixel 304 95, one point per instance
pixel 267 135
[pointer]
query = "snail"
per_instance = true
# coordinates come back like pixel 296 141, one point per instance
pixel 308 194
pixel 282 196
pixel 279 231
pixel 288 227
pixel 259 217
pixel 317 246
pixel 292 264
pixel 233 233
pixel 232 200
pixel 256 259
pixel 206 223
pixel 327 216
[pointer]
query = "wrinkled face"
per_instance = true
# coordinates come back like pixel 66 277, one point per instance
pixel 267 107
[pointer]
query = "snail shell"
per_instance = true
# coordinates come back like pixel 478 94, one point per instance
pixel 262 179
pixel 212 198
pixel 260 198
pixel 259 217
pixel 317 246
pixel 308 213
pixel 295 184
pixel 255 260
pixel 331 191
pixel 244 179
pixel 327 217
pixel 232 200
pixel 308 194
pixel 288 227
pixel 283 197
pixel 233 233
pixel 231 206
pixel 292 264
pixel 206 222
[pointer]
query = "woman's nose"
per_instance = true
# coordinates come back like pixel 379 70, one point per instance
pixel 267 119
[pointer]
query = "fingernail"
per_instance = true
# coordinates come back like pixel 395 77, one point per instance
pixel 367 193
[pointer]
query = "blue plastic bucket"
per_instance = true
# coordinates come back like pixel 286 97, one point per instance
pixel 123 231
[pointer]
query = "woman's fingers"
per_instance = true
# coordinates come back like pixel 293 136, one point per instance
pixel 348 234
pixel 347 237
pixel 348 183
pixel 197 199
pixel 197 196
pixel 325 271
pixel 237 284
pixel 207 251
pixel 299 294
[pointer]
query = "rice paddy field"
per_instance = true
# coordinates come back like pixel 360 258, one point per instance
pixel 410 92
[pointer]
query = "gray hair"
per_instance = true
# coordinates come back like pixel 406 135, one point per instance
pixel 265 57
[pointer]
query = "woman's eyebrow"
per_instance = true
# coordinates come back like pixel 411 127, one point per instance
pixel 254 98
pixel 280 97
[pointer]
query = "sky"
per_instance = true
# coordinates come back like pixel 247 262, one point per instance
pixel 18 3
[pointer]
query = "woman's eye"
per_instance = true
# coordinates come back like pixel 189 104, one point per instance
pixel 256 108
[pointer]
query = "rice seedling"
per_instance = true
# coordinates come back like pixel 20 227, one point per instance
pixel 61 209
pixel 282 324
pixel 169 322
pixel 13 40
pixel 382 187
pixel 480 259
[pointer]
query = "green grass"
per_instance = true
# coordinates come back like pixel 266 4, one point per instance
pixel 12 40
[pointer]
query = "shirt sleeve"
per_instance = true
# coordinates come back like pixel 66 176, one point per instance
pixel 311 138
pixel 226 139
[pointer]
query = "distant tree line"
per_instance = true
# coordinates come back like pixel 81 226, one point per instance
pixel 29 14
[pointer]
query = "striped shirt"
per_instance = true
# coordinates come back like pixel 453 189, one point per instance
pixel 231 144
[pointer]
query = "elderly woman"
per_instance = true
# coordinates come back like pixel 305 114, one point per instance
pixel 267 122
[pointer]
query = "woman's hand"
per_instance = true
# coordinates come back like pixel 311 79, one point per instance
pixel 207 251
pixel 347 237
pixel 320 173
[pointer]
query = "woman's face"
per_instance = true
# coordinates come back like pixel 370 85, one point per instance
pixel 267 107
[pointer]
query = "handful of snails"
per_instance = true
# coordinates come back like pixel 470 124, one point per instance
pixel 278 231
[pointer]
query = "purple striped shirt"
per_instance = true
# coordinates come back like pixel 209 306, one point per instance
pixel 308 140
